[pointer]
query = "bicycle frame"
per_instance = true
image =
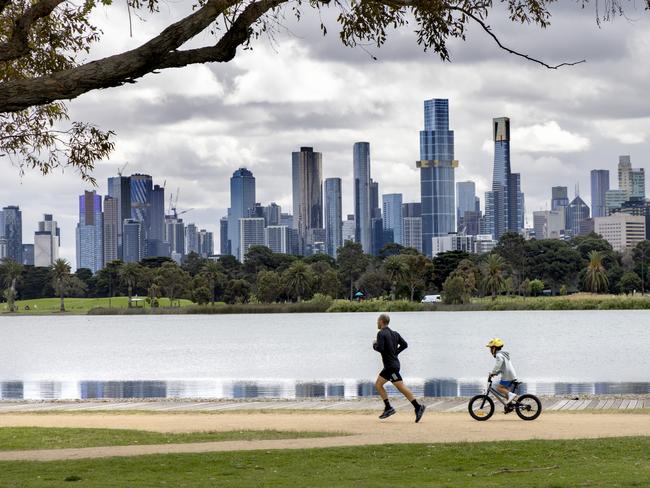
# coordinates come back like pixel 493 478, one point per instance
pixel 497 394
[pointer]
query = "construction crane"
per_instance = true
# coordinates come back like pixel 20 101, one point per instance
pixel 173 205
pixel 120 171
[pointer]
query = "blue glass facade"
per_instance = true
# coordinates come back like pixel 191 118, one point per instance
pixel 242 199
pixel 13 232
pixel 362 208
pixel 333 216
pixel 141 190
pixel 119 187
pixel 437 167
pixel 599 186
pixel 90 232
pixel 392 215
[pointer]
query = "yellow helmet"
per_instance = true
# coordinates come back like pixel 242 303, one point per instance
pixel 496 342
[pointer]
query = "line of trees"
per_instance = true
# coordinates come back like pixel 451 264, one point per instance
pixel 514 267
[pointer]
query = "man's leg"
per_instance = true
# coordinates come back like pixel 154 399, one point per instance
pixel 404 390
pixel 388 409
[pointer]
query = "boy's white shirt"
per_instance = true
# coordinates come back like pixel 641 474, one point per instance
pixel 504 367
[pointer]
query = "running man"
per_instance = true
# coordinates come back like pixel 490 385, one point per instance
pixel 503 367
pixel 390 344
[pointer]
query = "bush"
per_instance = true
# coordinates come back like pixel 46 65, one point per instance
pixel 453 291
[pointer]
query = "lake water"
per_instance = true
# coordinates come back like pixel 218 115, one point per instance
pixel 319 355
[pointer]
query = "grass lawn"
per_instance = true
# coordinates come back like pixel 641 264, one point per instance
pixel 78 305
pixel 22 438
pixel 592 463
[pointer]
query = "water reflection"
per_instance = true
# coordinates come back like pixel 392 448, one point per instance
pixel 286 389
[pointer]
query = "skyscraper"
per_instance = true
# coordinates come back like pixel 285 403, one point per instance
pixel 141 189
pixel 348 229
pixel 156 232
pixel 133 241
pixel 47 240
pixel 272 214
pixel 242 199
pixel 465 199
pixel 28 255
pixel 111 226
pixel 175 237
pixel 307 183
pixel 224 242
pixel 599 187
pixel 119 187
pixel 13 232
pixel 206 243
pixel 392 215
pixel 630 180
pixel 412 226
pixel 375 209
pixel 559 197
pixel 191 239
pixel 251 233
pixel 576 213
pixel 90 232
pixel 333 216
pixel 276 238
pixel 437 165
pixel 362 211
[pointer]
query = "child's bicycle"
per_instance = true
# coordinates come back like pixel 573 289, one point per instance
pixel 527 407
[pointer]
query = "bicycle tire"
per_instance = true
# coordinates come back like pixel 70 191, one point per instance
pixel 523 414
pixel 484 411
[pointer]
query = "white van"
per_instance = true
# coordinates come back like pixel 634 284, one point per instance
pixel 431 299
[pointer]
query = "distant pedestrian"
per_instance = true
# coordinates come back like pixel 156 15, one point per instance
pixel 390 344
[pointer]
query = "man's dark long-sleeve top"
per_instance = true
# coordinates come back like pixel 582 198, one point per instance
pixel 389 344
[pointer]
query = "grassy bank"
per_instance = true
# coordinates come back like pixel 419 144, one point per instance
pixel 25 438
pixel 593 463
pixel 78 306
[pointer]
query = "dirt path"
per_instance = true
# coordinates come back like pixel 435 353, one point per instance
pixel 365 429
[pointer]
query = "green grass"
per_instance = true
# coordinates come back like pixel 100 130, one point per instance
pixel 591 463
pixel 77 305
pixel 23 438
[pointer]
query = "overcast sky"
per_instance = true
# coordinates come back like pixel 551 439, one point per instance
pixel 194 126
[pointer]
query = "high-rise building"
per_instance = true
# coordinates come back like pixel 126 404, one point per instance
pixel 206 243
pixel 576 213
pixel 141 190
pixel 559 197
pixel 111 226
pixel 465 199
pixel 599 187
pixel 549 224
pixel 349 229
pixel 251 233
pixel 630 180
pixel 13 232
pixel 175 237
pixel 437 180
pixel 119 187
pixel 621 230
pixel 272 214
pixel 191 239
pixel 504 204
pixel 375 209
pixel 412 225
pixel 242 199
pixel 132 241
pixel 362 208
pixel 156 231
pixel 470 223
pixel 307 185
pixel 392 215
pixel 333 216
pixel 286 219
pixel 224 242
pixel 614 199
pixel 276 238
pixel 453 242
pixel 28 255
pixel 90 232
pixel 380 236
pixel 47 240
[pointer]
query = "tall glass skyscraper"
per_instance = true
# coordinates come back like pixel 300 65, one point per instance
pixel 141 190
pixel 90 232
pixel 133 241
pixel 307 185
pixel 362 209
pixel 13 232
pixel 559 197
pixel 333 216
pixel 392 215
pixel 465 199
pixel 242 199
pixel 576 214
pixel 111 225
pixel 119 187
pixel 437 165
pixel 599 187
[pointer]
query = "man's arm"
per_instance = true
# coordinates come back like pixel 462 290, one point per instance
pixel 379 344
pixel 401 344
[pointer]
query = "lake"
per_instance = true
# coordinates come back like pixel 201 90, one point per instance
pixel 316 355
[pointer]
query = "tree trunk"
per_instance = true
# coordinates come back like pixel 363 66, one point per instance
pixel 61 296
pixel 412 292
pixel 130 293
pixel 351 288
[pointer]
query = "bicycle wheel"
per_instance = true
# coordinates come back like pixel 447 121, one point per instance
pixel 528 407
pixel 481 407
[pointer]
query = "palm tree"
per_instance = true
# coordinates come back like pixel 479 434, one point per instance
pixel 394 268
pixel 298 279
pixel 493 278
pixel 130 274
pixel 60 277
pixel 596 280
pixel 11 270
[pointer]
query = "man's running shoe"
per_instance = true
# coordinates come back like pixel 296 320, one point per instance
pixel 387 413
pixel 419 413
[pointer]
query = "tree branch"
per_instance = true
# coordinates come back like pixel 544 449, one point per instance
pixel 17 45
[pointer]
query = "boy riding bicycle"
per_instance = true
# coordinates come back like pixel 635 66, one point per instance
pixel 504 368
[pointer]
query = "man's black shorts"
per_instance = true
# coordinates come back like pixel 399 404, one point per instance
pixel 391 374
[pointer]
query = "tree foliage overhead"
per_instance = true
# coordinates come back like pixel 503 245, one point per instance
pixel 44 46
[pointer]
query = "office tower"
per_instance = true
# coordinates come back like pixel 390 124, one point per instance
pixel 470 223
pixel 251 233
pixel 559 197
pixel 175 237
pixel 47 240
pixel 257 212
pixel 504 203
pixel 630 180
pixel 276 238
pixel 454 242
pixel 206 243
pixel 242 199
pixel 621 230
pixel 90 232
pixel 132 241
pixel 333 216
pixel 119 187
pixel 576 213
pixel 272 214
pixel 437 165
pixel 349 229
pixel 141 190
pixel 111 226
pixel 362 211
pixel 375 209
pixel 191 239
pixel 224 243
pixel 549 224
pixel 286 219
pixel 614 199
pixel 3 248
pixel 156 232
pixel 412 226
pixel 307 184
pixel 380 236
pixel 13 232
pixel 599 187
pixel 465 199
pixel 28 255
pixel 392 215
